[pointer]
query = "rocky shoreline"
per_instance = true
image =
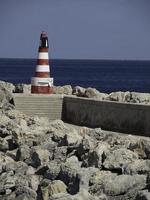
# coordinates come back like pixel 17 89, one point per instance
pixel 51 160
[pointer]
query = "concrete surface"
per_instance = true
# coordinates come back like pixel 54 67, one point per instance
pixel 113 116
pixel 41 105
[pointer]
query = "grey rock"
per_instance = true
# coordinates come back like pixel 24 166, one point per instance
pixel 12 154
pixel 8 181
pixel 22 88
pixel 137 97
pixel 119 96
pixel 8 86
pixel 69 175
pixel 4 160
pixel 93 93
pixel 21 180
pixel 143 195
pixel 50 171
pixel 121 184
pixel 113 185
pixel 64 135
pixel 61 196
pixel 5 98
pixel 95 156
pixel 137 167
pixel 66 89
pixel 85 145
pixel 17 167
pixel 74 161
pixel 85 175
pixel 34 181
pixel 60 153
pixel 30 171
pixel 83 195
pixel 23 153
pixel 118 158
pixel 4 146
pixel 78 91
pixel 39 157
pixel 25 193
pixel 57 186
pixel 98 179
pixel 11 196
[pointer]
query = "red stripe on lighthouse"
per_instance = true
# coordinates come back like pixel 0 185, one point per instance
pixel 43 62
pixel 43 49
pixel 42 74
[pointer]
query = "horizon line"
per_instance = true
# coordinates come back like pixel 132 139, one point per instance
pixel 84 59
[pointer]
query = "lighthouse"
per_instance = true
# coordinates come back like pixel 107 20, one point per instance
pixel 42 83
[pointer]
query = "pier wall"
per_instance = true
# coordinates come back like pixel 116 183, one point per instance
pixel 113 116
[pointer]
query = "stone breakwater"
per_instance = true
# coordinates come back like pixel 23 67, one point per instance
pixel 51 160
pixel 125 97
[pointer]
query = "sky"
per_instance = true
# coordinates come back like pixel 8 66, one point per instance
pixel 77 29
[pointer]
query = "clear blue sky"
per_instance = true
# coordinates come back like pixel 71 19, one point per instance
pixel 90 29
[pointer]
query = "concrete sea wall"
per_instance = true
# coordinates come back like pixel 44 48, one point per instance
pixel 114 116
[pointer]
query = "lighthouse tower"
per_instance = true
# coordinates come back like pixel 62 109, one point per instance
pixel 42 83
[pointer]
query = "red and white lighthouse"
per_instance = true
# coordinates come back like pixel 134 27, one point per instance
pixel 42 83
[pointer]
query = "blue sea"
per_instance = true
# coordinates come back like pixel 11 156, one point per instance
pixel 105 75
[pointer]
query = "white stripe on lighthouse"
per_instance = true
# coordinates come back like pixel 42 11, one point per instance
pixel 42 68
pixel 36 81
pixel 43 55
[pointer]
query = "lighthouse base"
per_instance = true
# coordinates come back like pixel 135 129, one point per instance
pixel 41 85
pixel 41 90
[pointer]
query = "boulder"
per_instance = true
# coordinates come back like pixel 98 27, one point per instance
pixel 23 152
pixel 69 174
pixel 83 195
pixel 95 156
pixel 78 91
pixel 137 167
pixel 60 154
pixel 119 96
pixel 137 97
pixel 22 88
pixel 25 193
pixel 8 86
pixel 123 183
pixel 57 186
pixel 50 171
pixel 34 181
pixel 12 154
pixel 66 89
pixel 61 196
pixel 118 158
pixel 4 160
pixel 64 135
pixel 93 93
pixel 39 157
pixel 114 185
pixel 85 175
pixel 17 167
pixel 97 179
pixel 4 145
pixel 5 98
pixel 143 195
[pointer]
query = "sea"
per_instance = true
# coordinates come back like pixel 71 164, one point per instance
pixel 104 75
